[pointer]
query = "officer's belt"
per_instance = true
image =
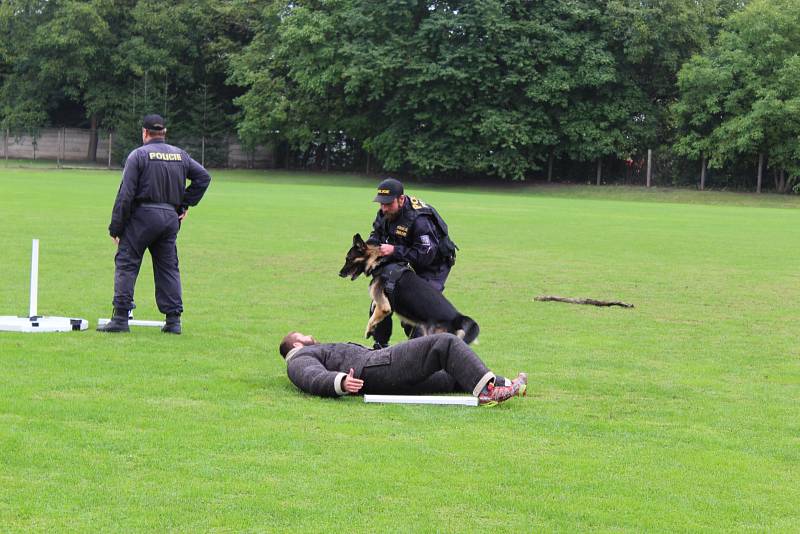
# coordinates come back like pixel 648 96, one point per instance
pixel 159 205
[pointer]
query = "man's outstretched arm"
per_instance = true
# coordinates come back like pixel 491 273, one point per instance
pixel 308 374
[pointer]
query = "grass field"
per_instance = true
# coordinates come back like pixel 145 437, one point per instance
pixel 679 415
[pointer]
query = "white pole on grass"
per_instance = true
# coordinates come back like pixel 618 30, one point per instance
pixel 34 322
pixel 34 277
pixel 462 400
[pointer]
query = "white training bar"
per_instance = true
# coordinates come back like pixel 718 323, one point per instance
pixel 133 322
pixel 462 400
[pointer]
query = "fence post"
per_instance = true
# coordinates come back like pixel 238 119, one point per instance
pixel 760 171
pixel 649 165
pixel 599 169
pixel 5 146
pixel 58 149
pixel 203 151
pixel 109 149
pixel 703 174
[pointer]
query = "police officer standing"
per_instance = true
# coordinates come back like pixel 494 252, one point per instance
pixel 410 231
pixel 151 203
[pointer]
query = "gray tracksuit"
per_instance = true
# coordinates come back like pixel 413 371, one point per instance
pixel 439 363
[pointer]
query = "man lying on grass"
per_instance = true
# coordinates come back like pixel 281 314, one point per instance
pixel 441 363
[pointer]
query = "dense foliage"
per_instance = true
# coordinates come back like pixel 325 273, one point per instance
pixel 485 88
pixel 104 63
pixel 741 98
pixel 511 89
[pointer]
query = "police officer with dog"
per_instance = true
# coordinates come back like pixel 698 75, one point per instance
pixel 151 203
pixel 412 234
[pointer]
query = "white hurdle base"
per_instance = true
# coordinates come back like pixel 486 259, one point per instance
pixel 461 400
pixel 34 322
pixel 133 322
pixel 9 323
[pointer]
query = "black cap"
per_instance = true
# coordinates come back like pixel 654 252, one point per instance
pixel 388 190
pixel 153 122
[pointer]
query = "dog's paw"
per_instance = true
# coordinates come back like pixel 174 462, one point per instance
pixel 460 333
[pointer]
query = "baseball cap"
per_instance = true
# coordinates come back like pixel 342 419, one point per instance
pixel 388 190
pixel 153 122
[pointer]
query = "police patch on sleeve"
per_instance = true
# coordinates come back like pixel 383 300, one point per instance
pixel 426 242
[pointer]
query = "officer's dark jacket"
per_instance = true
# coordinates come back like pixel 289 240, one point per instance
pixel 157 172
pixel 419 236
pixel 316 369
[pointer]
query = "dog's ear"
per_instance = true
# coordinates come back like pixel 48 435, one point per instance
pixel 357 241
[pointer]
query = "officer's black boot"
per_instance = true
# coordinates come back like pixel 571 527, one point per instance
pixel 382 331
pixel 173 324
pixel 118 323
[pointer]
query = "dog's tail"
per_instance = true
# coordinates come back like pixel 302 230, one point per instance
pixel 468 330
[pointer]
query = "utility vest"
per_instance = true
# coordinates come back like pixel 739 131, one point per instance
pixel 396 232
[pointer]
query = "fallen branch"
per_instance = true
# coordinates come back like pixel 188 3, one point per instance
pixel 593 302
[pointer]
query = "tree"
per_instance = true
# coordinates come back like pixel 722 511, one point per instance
pixel 742 98
pixel 493 88
pixel 110 61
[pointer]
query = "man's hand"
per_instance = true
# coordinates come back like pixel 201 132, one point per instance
pixel 351 384
pixel 182 216
pixel 115 240
pixel 387 250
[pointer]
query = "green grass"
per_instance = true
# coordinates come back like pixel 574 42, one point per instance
pixel 678 415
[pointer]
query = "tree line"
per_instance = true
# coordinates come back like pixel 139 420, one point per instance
pixel 497 89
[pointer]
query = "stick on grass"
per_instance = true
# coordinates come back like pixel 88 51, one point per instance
pixel 593 302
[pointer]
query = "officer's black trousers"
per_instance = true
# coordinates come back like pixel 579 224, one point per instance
pixel 154 229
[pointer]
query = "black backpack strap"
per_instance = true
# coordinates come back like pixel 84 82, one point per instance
pixel 447 248
pixel 390 274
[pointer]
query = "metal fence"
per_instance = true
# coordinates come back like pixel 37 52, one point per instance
pixel 71 145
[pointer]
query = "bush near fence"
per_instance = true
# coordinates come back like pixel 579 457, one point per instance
pixel 71 146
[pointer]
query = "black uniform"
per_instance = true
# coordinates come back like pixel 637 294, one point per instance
pixel 420 238
pixel 152 195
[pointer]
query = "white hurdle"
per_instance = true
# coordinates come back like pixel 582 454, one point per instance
pixel 34 322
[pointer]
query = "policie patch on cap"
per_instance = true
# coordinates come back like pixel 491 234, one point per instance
pixel 388 190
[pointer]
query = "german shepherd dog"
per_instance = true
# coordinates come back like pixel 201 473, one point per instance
pixel 415 301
